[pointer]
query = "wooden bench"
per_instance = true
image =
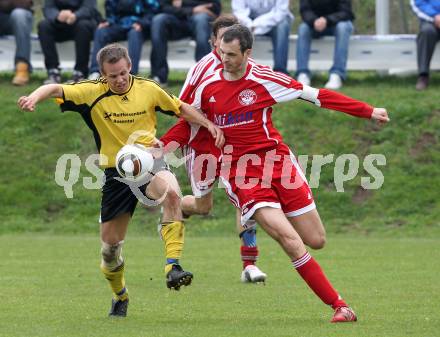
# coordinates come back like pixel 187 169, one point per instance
pixel 384 53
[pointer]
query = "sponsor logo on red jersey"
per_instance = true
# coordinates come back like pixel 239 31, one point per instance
pixel 233 119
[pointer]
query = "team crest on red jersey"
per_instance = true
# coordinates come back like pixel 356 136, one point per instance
pixel 247 97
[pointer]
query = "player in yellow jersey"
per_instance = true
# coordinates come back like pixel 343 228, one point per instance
pixel 115 108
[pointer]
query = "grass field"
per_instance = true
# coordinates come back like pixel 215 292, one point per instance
pixel 52 286
pixel 382 253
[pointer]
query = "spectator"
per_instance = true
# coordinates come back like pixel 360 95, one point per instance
pixel 67 20
pixel 428 12
pixel 324 17
pixel 180 18
pixel 16 18
pixel 271 18
pixel 125 20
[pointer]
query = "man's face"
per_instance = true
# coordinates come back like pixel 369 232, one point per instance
pixel 233 59
pixel 117 75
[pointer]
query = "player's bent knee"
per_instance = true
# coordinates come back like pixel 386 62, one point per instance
pixel 317 242
pixel 111 255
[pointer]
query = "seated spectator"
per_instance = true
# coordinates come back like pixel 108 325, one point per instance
pixel 125 20
pixel 67 20
pixel 271 18
pixel 324 17
pixel 428 12
pixel 16 18
pixel 179 19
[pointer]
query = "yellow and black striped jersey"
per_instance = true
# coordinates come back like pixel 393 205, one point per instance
pixel 113 118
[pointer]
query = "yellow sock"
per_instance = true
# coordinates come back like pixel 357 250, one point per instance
pixel 173 234
pixel 116 281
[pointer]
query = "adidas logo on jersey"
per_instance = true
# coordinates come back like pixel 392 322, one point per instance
pixel 212 100
pixel 124 99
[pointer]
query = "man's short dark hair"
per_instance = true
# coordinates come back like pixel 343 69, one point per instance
pixel 240 33
pixel 223 21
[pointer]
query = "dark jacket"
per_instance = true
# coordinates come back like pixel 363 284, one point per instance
pixel 185 11
pixel 127 12
pixel 83 9
pixel 6 6
pixel 333 10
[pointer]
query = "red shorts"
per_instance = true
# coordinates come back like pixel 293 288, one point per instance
pixel 284 187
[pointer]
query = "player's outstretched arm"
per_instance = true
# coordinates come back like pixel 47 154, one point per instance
pixel 334 100
pixel 28 103
pixel 190 114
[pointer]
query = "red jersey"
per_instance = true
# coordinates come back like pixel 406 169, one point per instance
pixel 206 66
pixel 243 108
pixel 198 138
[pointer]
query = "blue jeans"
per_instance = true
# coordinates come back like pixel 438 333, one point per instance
pixel 113 33
pixel 342 31
pixel 19 22
pixel 168 27
pixel 280 44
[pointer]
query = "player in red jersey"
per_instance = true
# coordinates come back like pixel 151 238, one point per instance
pixel 272 190
pixel 202 155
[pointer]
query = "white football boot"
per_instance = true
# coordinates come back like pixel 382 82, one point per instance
pixel 252 274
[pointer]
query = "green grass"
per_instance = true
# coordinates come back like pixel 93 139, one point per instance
pixel 52 286
pixel 408 203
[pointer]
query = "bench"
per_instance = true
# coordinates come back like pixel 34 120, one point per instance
pixel 383 53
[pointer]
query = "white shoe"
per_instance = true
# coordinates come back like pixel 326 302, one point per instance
pixel 304 79
pixel 94 76
pixel 252 274
pixel 334 82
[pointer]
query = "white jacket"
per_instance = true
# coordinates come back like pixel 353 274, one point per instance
pixel 261 15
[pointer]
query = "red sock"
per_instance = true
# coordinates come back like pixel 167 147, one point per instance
pixel 248 255
pixel 312 273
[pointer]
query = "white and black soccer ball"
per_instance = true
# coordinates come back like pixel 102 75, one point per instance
pixel 134 161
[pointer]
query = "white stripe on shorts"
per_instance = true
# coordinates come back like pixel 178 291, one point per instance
pixel 301 211
pixel 250 213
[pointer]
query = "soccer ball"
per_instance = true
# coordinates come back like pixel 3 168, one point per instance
pixel 134 161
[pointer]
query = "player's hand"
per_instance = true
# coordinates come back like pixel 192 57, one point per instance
pixel 218 135
pixel 380 115
pixel 26 103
